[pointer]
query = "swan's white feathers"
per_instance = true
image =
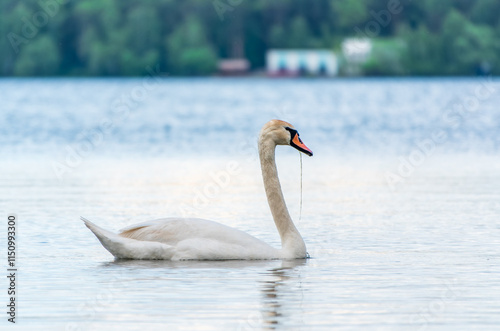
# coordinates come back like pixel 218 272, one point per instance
pixel 125 248
pixel 174 230
pixel 182 239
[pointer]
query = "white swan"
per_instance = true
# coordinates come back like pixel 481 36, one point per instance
pixel 198 239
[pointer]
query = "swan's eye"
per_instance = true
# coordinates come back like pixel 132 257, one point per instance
pixel 293 132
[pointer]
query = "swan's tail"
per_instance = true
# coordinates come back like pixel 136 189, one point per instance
pixel 126 248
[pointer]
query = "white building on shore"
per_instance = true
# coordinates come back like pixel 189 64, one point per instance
pixel 298 62
pixel 356 51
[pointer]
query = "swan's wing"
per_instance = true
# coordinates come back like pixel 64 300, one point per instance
pixel 142 225
pixel 169 231
pixel 181 231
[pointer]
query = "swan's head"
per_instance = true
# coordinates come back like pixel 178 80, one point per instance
pixel 283 133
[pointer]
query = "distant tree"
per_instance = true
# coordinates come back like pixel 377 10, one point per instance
pixel 40 57
pixel 101 40
pixel 466 46
pixel 141 41
pixel 143 28
pixel 348 14
pixel 435 12
pixel 299 35
pixel 464 5
pixel 277 37
pixel 385 58
pixel 189 52
pixel 13 40
pixel 485 12
pixel 422 54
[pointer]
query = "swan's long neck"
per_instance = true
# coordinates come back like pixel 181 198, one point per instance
pixel 291 240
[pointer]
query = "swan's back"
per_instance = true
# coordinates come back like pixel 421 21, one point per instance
pixel 195 238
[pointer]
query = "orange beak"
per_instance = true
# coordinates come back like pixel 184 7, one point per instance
pixel 298 144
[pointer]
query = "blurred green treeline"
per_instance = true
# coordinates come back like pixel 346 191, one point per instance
pixel 187 37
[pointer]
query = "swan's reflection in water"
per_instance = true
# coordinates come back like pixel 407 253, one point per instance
pixel 279 283
pixel 279 286
pixel 189 264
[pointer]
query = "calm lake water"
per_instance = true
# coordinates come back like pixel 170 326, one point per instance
pixel 401 202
